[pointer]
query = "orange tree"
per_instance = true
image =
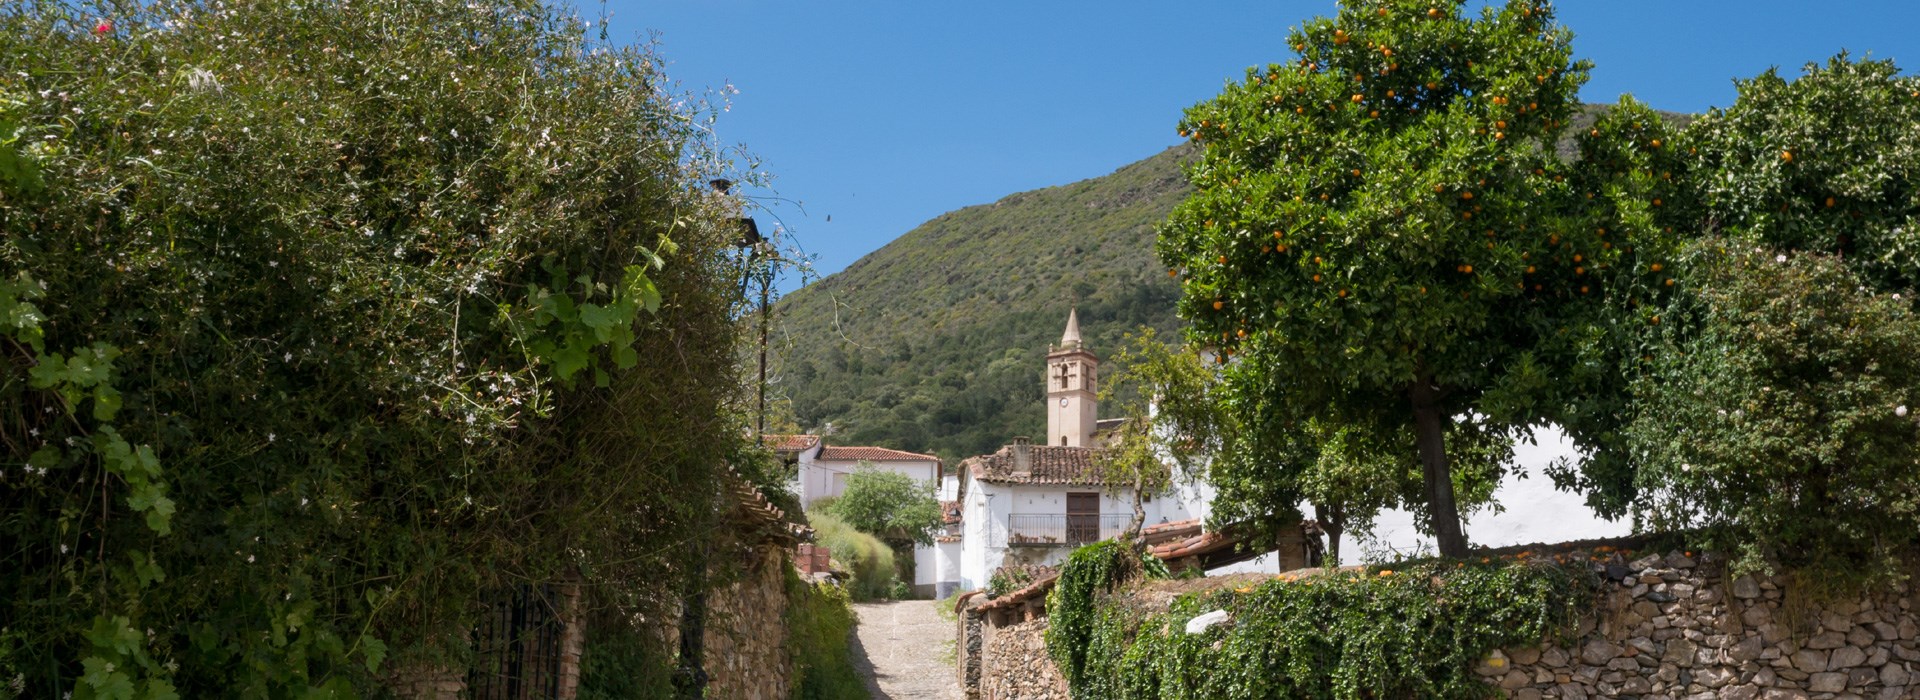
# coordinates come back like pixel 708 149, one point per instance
pixel 1382 225
pixel 1828 163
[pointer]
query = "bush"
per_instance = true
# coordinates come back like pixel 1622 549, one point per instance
pixel 318 321
pixel 1781 418
pixel 865 557
pixel 819 631
pixel 888 505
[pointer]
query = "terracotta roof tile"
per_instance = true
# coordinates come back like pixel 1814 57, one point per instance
pixel 950 511
pixel 790 443
pixel 1178 529
pixel 873 454
pixel 1046 464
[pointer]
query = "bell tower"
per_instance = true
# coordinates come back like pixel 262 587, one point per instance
pixel 1072 373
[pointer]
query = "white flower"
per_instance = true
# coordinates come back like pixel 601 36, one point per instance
pixel 287 357
pixel 269 437
pixel 1900 411
pixel 1779 258
pixel 249 559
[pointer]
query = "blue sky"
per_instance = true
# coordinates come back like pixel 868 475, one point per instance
pixel 881 115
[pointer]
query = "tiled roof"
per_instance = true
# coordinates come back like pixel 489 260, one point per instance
pixel 1046 464
pixel 873 454
pixel 790 443
pixel 1204 543
pixel 950 511
pixel 1163 532
pixel 1107 424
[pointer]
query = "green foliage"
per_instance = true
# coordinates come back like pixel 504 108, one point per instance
pixel 1384 633
pixel 820 624
pixel 865 557
pixel 1388 245
pixel 888 505
pixel 1162 395
pixel 619 662
pixel 1828 162
pixel 295 301
pixel 1091 573
pixel 936 342
pixel 1783 417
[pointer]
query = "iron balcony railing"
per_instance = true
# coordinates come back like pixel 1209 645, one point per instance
pixel 1048 530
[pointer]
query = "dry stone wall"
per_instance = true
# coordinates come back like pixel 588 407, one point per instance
pixel 746 654
pixel 1671 627
pixel 1014 664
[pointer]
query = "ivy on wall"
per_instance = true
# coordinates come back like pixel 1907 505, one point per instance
pixel 1375 633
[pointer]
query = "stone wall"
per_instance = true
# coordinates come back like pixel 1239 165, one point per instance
pixel 1014 664
pixel 1673 627
pixel 746 653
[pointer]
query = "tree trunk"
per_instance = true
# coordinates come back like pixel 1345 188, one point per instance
pixel 1139 509
pixel 1429 427
pixel 1332 521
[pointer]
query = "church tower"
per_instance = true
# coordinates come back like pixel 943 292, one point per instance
pixel 1072 408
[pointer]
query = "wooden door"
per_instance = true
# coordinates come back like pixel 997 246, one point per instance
pixel 1083 517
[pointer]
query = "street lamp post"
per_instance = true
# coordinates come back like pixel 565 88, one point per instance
pixel 750 239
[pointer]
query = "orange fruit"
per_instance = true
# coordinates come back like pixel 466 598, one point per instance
pixel 1389 93
pixel 1316 278
pixel 1529 269
pixel 1218 305
pixel 1786 156
pixel 1579 270
pixel 1343 293
pixel 1502 124
pixel 1357 98
pixel 1173 273
pixel 1654 267
pixel 1223 259
pixel 1577 258
pixel 1467 269
pixel 1433 13
pixel 1829 201
pixel 1499 135
pixel 1656 143
pixel 1669 281
pixel 1382 12
pixel 1466 195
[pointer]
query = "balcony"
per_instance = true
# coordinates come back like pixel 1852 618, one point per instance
pixel 1063 530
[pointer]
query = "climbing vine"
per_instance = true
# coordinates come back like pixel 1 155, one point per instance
pixel 1377 633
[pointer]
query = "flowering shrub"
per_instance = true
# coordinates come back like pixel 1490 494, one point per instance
pixel 319 320
pixel 1779 417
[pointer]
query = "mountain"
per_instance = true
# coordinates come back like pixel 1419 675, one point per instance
pixel 936 342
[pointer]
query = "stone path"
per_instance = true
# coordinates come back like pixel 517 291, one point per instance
pixel 905 650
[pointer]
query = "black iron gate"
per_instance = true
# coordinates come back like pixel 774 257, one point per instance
pixel 517 647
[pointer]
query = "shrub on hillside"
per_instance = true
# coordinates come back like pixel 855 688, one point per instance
pixel 1784 415
pixel 865 557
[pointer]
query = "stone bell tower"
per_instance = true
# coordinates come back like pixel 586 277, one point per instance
pixel 1072 406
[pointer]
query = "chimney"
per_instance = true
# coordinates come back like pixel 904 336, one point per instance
pixel 1022 456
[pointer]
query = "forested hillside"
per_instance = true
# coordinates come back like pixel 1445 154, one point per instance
pixel 936 341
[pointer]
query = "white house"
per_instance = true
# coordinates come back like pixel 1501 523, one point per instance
pixel 1031 504
pixel 821 472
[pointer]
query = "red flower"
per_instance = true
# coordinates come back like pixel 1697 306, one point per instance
pixel 103 27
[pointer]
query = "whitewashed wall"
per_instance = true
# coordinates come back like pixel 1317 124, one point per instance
pixel 1534 512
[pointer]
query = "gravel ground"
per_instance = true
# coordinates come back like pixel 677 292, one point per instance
pixel 905 650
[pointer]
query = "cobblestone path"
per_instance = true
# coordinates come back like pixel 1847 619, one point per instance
pixel 905 651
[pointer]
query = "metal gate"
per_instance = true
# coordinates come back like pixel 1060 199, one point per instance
pixel 517 647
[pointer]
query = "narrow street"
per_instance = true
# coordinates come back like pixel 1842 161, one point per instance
pixel 905 651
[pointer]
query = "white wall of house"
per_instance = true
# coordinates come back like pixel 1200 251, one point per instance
pixel 827 478
pixel 1533 512
pixel 988 506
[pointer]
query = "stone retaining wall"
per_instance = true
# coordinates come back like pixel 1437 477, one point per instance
pixel 746 654
pixel 1671 627
pixel 1014 664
